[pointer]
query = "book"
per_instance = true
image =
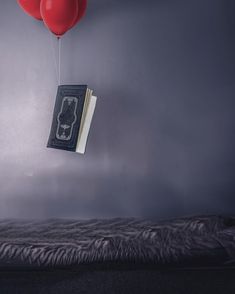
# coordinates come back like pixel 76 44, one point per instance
pixel 72 117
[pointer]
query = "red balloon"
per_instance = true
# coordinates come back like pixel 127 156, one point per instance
pixel 31 7
pixel 82 6
pixel 59 15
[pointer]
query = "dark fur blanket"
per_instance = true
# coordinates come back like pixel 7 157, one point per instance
pixel 60 243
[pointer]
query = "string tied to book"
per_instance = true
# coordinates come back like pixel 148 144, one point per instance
pixel 59 60
pixel 56 52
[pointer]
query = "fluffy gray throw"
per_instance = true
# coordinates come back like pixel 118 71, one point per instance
pixel 60 243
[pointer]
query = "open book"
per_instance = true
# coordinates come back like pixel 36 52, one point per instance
pixel 73 112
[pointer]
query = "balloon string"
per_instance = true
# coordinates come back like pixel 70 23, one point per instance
pixel 59 61
pixel 54 57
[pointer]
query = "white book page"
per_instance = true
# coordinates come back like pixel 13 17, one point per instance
pixel 82 139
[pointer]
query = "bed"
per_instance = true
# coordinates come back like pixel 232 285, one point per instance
pixel 184 255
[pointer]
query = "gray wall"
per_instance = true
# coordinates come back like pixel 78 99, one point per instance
pixel 162 141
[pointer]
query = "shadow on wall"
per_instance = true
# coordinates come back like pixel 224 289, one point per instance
pixel 109 197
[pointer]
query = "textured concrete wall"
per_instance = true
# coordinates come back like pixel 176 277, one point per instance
pixel 162 141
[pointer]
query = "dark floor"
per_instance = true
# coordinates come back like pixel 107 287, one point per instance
pixel 119 281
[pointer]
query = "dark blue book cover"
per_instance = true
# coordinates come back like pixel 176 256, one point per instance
pixel 67 117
